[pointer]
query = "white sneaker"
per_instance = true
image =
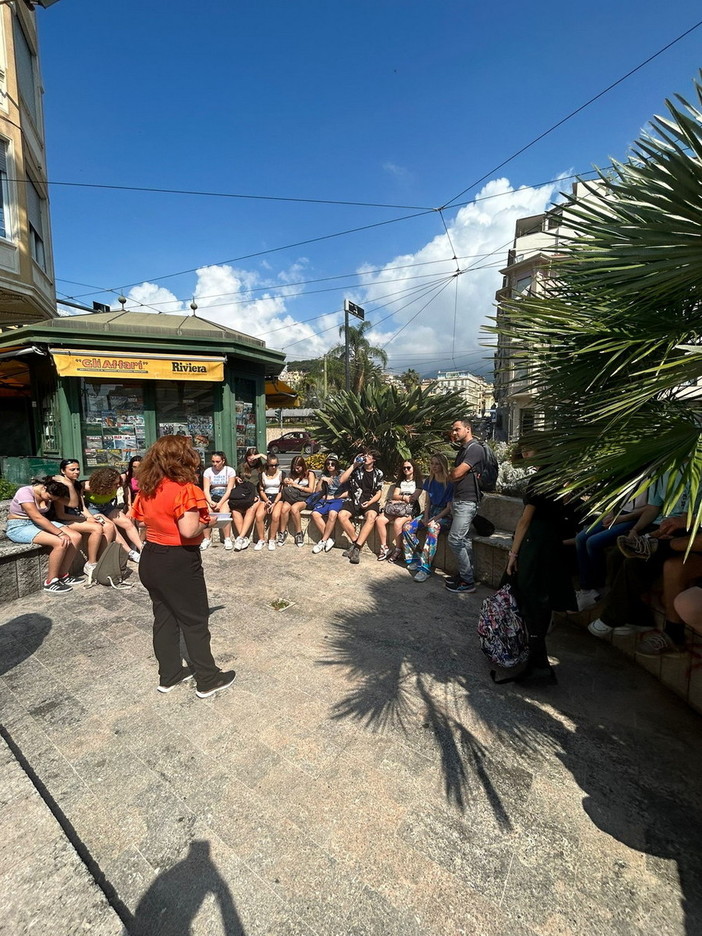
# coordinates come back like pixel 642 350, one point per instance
pixel 228 542
pixel 88 570
pixel 319 546
pixel 134 555
pixel 271 545
pixel 421 576
pixel 599 629
pixel 205 544
pixel 329 545
pixel 587 598
pixel 237 543
pixel 260 544
pixel 245 542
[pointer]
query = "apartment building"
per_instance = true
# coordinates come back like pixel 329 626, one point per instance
pixel 27 290
pixel 538 241
pixel 475 390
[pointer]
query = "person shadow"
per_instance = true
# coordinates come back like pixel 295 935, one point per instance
pixel 170 905
pixel 20 638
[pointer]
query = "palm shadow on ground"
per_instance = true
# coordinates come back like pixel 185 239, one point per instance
pixel 424 676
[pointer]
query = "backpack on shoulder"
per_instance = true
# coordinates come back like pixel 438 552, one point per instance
pixel 110 568
pixel 487 479
pixel 502 633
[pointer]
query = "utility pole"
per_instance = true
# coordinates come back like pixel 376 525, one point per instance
pixel 353 309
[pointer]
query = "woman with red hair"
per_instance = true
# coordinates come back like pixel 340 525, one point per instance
pixel 176 512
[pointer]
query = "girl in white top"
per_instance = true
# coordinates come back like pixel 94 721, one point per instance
pixel 296 489
pixel 270 490
pixel 406 490
pixel 217 483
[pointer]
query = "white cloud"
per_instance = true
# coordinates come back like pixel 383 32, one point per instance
pixel 399 172
pixel 406 292
pixel 481 234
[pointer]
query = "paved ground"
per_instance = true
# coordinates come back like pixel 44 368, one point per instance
pixel 363 778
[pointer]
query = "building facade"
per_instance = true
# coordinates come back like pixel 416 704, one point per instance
pixel 538 241
pixel 27 289
pixel 475 390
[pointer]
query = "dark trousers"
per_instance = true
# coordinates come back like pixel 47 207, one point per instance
pixel 175 581
pixel 630 582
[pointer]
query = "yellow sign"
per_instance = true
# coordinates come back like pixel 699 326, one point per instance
pixel 136 367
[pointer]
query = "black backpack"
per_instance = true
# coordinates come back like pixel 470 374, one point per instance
pixel 242 496
pixel 110 568
pixel 487 479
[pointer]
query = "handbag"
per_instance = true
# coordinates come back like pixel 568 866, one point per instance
pixel 483 526
pixel 293 495
pixel 243 496
pixel 398 509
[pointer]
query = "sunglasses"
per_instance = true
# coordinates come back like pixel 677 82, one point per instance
pixel 407 467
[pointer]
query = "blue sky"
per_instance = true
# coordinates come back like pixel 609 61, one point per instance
pixel 401 104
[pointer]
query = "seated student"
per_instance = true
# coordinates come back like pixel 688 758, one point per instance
pixel 435 518
pixel 365 485
pixel 100 495
pixel 591 544
pixel 27 522
pixel 270 492
pixel 328 504
pixel 624 611
pixel 297 487
pixel 73 513
pixel 218 481
pixel 400 506
pixel 244 514
pixel 130 487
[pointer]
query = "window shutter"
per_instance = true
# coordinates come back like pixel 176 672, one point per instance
pixel 34 208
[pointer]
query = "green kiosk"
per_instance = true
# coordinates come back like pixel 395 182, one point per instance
pixel 102 387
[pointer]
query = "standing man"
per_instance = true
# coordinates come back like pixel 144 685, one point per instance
pixel 365 485
pixel 466 497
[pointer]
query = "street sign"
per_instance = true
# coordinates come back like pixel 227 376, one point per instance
pixel 354 309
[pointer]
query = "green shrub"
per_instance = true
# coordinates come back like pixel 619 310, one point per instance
pixel 398 423
pixel 7 489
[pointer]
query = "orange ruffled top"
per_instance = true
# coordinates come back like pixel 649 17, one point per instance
pixel 161 512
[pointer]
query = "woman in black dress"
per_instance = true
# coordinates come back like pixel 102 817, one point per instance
pixel 539 568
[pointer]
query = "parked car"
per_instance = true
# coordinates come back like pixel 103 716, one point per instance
pixel 299 441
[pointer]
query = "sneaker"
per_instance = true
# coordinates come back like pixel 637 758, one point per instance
pixel 299 539
pixel 347 552
pixel 413 566
pixel 205 544
pixel 89 568
pixel 329 545
pixel 271 545
pixel 224 681
pixel 134 555
pixel 185 676
pixel 56 587
pixel 280 538
pixel 318 547
pixel 586 598
pixel 461 586
pixel 598 628
pixel 452 580
pixel 259 545
pixel 637 547
pixel 355 555
pixel 237 543
pixel 422 576
pixel 245 542
pixel 71 579
pixel 383 554
pixel 658 643
pixel 228 542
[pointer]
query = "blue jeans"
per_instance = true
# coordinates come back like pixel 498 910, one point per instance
pixel 459 539
pixel 590 545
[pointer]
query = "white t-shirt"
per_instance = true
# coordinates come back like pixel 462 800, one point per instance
pixel 220 480
pixel 407 487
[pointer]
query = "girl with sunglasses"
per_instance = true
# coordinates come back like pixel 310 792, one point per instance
pixel 328 505
pixel 399 507
pixel 435 518
pixel 297 487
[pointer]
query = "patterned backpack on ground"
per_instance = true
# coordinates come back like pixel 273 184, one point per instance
pixel 110 568
pixel 502 632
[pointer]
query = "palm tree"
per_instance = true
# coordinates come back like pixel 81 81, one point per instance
pixel 615 345
pixel 366 361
